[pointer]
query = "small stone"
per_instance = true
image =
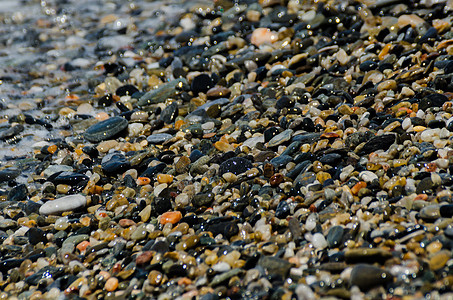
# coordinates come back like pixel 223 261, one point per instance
pixel 18 193
pixel 155 277
pixel 36 235
pixel 235 165
pixel 169 114
pixel 229 177
pixel 275 265
pixel 368 276
pixel 280 138
pixel 381 142
pixel 111 284
pixel 335 236
pixel 368 176
pixel 63 204
pixel 318 241
pixel 105 130
pixel 182 165
pixel 164 178
pixel 263 35
pixel 439 260
pixel 345 110
pixel 202 83
pixel 171 217
pixel 139 233
pixel 430 212
pixel 446 211
pixel 8 174
pixel 158 138
pixel 144 258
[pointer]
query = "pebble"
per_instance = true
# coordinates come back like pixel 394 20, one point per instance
pixel 368 276
pixel 170 217
pixel 66 203
pixel 158 138
pixel 334 236
pixel 236 149
pixel 106 129
pixel 235 165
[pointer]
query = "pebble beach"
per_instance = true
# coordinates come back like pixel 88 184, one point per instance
pixel 227 149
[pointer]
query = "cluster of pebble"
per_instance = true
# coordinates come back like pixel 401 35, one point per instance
pixel 271 149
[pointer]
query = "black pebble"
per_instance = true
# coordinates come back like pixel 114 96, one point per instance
pixel 270 133
pixel 368 65
pixel 18 193
pixel 127 89
pixel 202 83
pixel 235 165
pixel 36 235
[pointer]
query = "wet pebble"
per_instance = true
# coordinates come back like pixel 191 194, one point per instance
pixel 106 129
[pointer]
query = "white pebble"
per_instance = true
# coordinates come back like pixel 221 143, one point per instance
pixel 429 135
pixel 441 162
pixel 221 267
pixel 367 176
pixel 304 292
pixel 135 129
pixel 63 204
pixel 310 224
pixel 319 241
pixel 406 123
pixel 346 172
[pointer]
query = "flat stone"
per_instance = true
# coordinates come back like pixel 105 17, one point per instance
pixel 381 142
pixel 280 138
pixel 367 276
pixel 158 138
pixel 162 93
pixel 370 255
pixel 275 265
pixel 8 174
pixel 224 277
pixel 235 165
pixel 106 129
pixel 63 204
pixel 335 236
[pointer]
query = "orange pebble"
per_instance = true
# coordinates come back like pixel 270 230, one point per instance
pixel 178 124
pixel 384 51
pixel 421 197
pixel 184 281
pixel 111 284
pixel 106 275
pixel 164 178
pixel 72 97
pixel 82 246
pixel 209 135
pixel 126 223
pixel 143 181
pixel 52 149
pixel 223 146
pixel 102 116
pixel 359 185
pixel 170 217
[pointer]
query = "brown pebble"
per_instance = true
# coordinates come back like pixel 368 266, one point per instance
pixel 276 179
pixel 182 165
pixel 155 277
pixel 144 258
pixel 268 170
pixel 111 284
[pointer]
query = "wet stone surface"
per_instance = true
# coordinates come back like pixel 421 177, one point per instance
pixel 226 149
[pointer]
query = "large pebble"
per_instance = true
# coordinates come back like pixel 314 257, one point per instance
pixel 63 204
pixel 368 276
pixel 106 129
